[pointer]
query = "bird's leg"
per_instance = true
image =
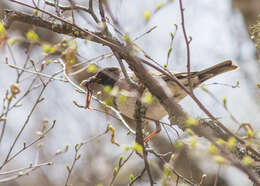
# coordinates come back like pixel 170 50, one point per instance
pixel 157 131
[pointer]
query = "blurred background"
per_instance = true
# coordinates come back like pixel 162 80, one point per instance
pixel 219 31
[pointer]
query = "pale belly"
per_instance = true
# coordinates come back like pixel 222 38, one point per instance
pixel 154 110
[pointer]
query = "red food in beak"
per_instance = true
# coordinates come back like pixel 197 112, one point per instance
pixel 89 93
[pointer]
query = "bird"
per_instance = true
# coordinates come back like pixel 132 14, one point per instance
pixel 110 85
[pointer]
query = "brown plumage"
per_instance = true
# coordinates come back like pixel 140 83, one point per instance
pixel 114 78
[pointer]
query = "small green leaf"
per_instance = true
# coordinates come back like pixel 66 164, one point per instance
pixel 231 142
pixel 219 159
pixel 169 51
pixel 114 91
pixel 92 68
pixel 250 133
pixel 122 99
pixel 213 149
pixel 115 170
pixel 224 99
pixel 12 41
pixel 35 12
pixel 147 15
pixel 66 148
pixel 32 36
pixel 49 49
pixel 193 142
pixel 107 89
pixel 204 89
pixel 126 147
pixel 49 61
pixel 137 147
pixel 2 29
pixel 178 144
pixel 58 152
pixel 78 157
pixel 127 39
pixel 172 35
pixel 221 141
pixel 120 160
pixel 131 177
pixel 166 170
pixel 109 101
pixel 192 122
pixel 148 98
pixel 159 5
pixel 247 160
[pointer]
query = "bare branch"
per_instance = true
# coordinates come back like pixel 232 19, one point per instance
pixel 23 171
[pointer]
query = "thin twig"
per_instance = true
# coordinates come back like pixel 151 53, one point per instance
pixel 127 78
pixel 77 156
pixel 57 7
pixel 28 54
pixel 38 100
pixel 103 19
pixel 21 172
pixel 91 11
pixel 19 74
pixel 203 177
pixel 120 165
pixel 217 176
pixel 37 73
pixel 29 90
pixel 134 62
pixel 5 120
pixel 137 177
pixel 72 4
pixel 27 146
pixel 187 44
pixel 162 156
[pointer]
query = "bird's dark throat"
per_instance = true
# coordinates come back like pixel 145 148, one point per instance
pixel 106 79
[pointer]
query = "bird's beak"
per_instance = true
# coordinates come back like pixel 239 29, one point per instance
pixel 84 83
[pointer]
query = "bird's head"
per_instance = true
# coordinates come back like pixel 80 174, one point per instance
pixel 107 77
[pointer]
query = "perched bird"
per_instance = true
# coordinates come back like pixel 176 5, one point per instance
pixel 110 85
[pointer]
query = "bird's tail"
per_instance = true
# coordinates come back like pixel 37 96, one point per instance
pixel 216 70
